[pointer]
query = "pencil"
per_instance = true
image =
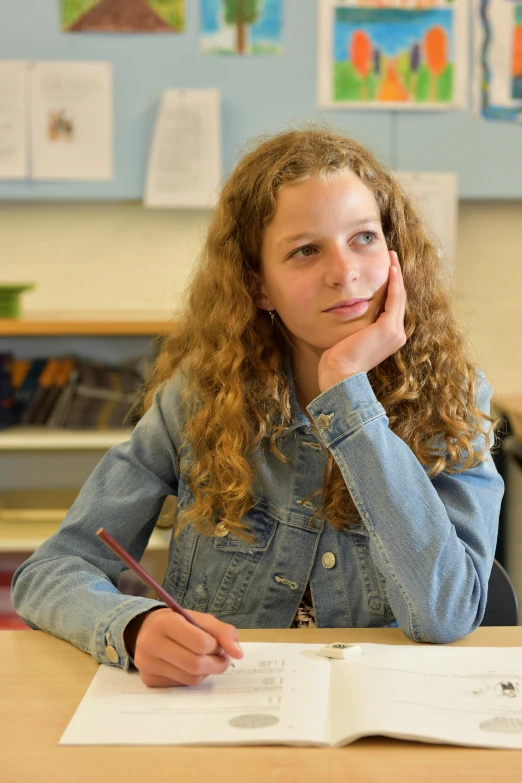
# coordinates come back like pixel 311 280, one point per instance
pixel 122 553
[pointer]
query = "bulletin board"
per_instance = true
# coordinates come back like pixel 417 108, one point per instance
pixel 259 93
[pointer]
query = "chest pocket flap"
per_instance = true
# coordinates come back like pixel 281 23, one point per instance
pixel 261 525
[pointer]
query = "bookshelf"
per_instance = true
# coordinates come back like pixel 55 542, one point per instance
pixel 22 531
pixel 62 324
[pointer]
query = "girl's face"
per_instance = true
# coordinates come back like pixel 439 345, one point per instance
pixel 324 245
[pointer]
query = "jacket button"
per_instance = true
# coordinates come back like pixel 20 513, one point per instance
pixel 112 654
pixel 323 421
pixel 328 559
pixel 221 530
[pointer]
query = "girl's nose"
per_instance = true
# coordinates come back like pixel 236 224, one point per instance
pixel 341 266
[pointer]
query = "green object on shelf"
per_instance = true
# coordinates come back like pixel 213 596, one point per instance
pixel 10 299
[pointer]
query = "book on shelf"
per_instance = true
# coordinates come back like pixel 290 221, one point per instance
pixel 102 397
pixel 61 376
pixel 6 390
pixel 58 413
pixel 23 392
pixel 46 379
pixel 66 393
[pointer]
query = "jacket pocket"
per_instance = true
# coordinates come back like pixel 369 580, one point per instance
pixel 215 574
pixel 242 559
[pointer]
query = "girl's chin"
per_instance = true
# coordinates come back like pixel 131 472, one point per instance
pixel 332 335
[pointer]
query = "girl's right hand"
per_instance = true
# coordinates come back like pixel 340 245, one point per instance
pixel 167 650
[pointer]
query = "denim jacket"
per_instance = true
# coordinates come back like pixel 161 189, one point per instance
pixel 418 555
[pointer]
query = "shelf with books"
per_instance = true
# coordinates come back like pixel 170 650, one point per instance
pixel 66 418
pixel 33 438
pixel 63 394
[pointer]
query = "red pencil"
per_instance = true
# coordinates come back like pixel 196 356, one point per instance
pixel 122 553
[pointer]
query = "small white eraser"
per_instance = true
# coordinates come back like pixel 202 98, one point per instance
pixel 340 650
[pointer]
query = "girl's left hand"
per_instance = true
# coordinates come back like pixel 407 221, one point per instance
pixel 364 350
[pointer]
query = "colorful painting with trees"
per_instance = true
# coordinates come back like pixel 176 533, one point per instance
pixel 122 16
pixel 241 26
pixel 393 55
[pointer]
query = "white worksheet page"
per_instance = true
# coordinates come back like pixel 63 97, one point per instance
pixel 278 693
pixel 460 695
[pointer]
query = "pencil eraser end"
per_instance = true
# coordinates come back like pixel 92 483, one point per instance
pixel 340 650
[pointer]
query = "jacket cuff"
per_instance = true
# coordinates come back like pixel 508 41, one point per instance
pixel 108 637
pixel 344 408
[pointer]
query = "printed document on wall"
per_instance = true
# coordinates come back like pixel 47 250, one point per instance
pixel 14 75
pixel 184 167
pixel 72 121
pixel 435 196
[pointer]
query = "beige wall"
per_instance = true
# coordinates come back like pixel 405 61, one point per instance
pixel 100 256
pixel 488 288
pixel 121 257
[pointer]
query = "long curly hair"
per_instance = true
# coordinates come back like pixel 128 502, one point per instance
pixel 236 387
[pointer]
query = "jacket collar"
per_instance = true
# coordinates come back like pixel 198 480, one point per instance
pixel 299 419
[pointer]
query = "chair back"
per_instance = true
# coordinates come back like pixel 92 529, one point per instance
pixel 502 603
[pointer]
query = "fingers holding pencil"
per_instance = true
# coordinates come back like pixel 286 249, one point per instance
pixel 169 651
pixel 174 646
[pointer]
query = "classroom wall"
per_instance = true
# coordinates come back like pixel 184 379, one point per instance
pixel 259 94
pixel 121 257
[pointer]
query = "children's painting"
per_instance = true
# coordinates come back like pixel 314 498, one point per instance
pixel 241 26
pixel 122 16
pixel 516 60
pixel 384 53
pixel 497 60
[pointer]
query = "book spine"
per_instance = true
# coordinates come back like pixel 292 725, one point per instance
pixel 61 408
pixel 63 371
pixel 45 381
pixel 6 390
pixel 24 391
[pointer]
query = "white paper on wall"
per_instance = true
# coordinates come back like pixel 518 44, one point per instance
pixel 184 168
pixel 14 75
pixel 72 121
pixel 436 197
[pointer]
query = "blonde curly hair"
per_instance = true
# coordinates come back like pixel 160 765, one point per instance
pixel 235 359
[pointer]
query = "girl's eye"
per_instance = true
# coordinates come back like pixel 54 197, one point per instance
pixel 367 237
pixel 306 251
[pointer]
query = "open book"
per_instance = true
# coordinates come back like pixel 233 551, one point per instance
pixel 288 694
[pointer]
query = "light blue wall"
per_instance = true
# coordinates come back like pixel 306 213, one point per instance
pixel 259 94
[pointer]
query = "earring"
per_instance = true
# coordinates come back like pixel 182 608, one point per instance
pixel 272 316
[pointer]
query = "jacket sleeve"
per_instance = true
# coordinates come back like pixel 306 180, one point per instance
pixel 432 539
pixel 68 586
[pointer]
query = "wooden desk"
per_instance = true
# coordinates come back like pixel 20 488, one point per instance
pixel 43 680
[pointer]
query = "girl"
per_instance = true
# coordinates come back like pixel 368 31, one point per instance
pixel 317 418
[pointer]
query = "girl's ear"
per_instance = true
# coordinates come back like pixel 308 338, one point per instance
pixel 261 298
